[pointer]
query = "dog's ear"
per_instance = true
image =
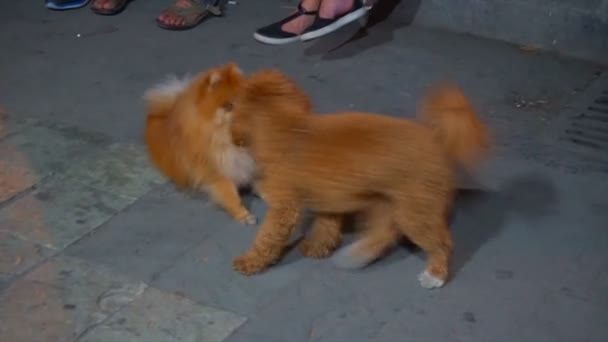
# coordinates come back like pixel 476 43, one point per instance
pixel 232 75
pixel 206 81
pixel 229 71
pixel 233 69
pixel 214 78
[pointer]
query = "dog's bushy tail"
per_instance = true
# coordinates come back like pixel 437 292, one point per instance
pixel 450 114
pixel 159 100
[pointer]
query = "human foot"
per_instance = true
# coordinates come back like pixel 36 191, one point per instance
pixel 289 29
pixel 333 15
pixel 186 14
pixel 108 7
pixel 301 22
pixel 331 9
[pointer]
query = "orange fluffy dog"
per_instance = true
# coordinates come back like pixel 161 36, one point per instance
pixel 399 173
pixel 189 139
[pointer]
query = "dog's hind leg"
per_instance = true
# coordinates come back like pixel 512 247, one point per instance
pixel 423 222
pixel 325 236
pixel 379 235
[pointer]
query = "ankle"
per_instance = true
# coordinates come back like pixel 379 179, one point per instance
pixel 311 5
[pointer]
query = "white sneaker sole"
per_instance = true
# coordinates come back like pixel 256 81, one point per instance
pixel 275 41
pixel 345 20
pixel 65 7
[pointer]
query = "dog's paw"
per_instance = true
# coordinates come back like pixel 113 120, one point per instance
pixel 259 195
pixel 247 218
pixel 249 264
pixel 250 219
pixel 315 250
pixel 348 258
pixel 429 281
pixel 257 192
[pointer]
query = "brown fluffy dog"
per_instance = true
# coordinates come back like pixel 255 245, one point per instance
pixel 399 173
pixel 189 139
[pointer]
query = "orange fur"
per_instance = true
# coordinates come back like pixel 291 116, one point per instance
pixel 450 114
pixel 189 140
pixel 400 173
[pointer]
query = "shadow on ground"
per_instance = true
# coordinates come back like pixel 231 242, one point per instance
pixel 481 214
pixel 479 217
pixel 342 44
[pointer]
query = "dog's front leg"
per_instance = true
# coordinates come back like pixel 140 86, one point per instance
pixel 225 194
pixel 272 237
pixel 257 190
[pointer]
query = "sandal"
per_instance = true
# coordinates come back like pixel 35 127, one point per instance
pixel 273 34
pixel 323 26
pixel 62 5
pixel 119 6
pixel 193 15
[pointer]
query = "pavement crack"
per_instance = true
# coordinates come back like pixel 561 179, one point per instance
pixel 18 196
pixel 89 328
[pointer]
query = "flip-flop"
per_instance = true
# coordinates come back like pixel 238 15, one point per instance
pixel 62 5
pixel 119 6
pixel 193 15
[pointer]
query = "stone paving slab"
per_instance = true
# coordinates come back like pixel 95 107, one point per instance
pixel 205 273
pixel 62 299
pixel 78 200
pixel 16 175
pixel 185 243
pixel 172 225
pixel 17 256
pixel 52 149
pixel 60 212
pixel 68 299
pixel 157 316
pixel 10 125
pixel 122 169
pixel 37 151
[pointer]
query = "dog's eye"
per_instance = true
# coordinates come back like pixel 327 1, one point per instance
pixel 228 106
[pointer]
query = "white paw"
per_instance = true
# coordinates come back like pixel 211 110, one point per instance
pixel 250 219
pixel 348 258
pixel 256 191
pixel 260 195
pixel 429 281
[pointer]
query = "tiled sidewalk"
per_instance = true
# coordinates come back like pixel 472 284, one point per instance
pixel 58 184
